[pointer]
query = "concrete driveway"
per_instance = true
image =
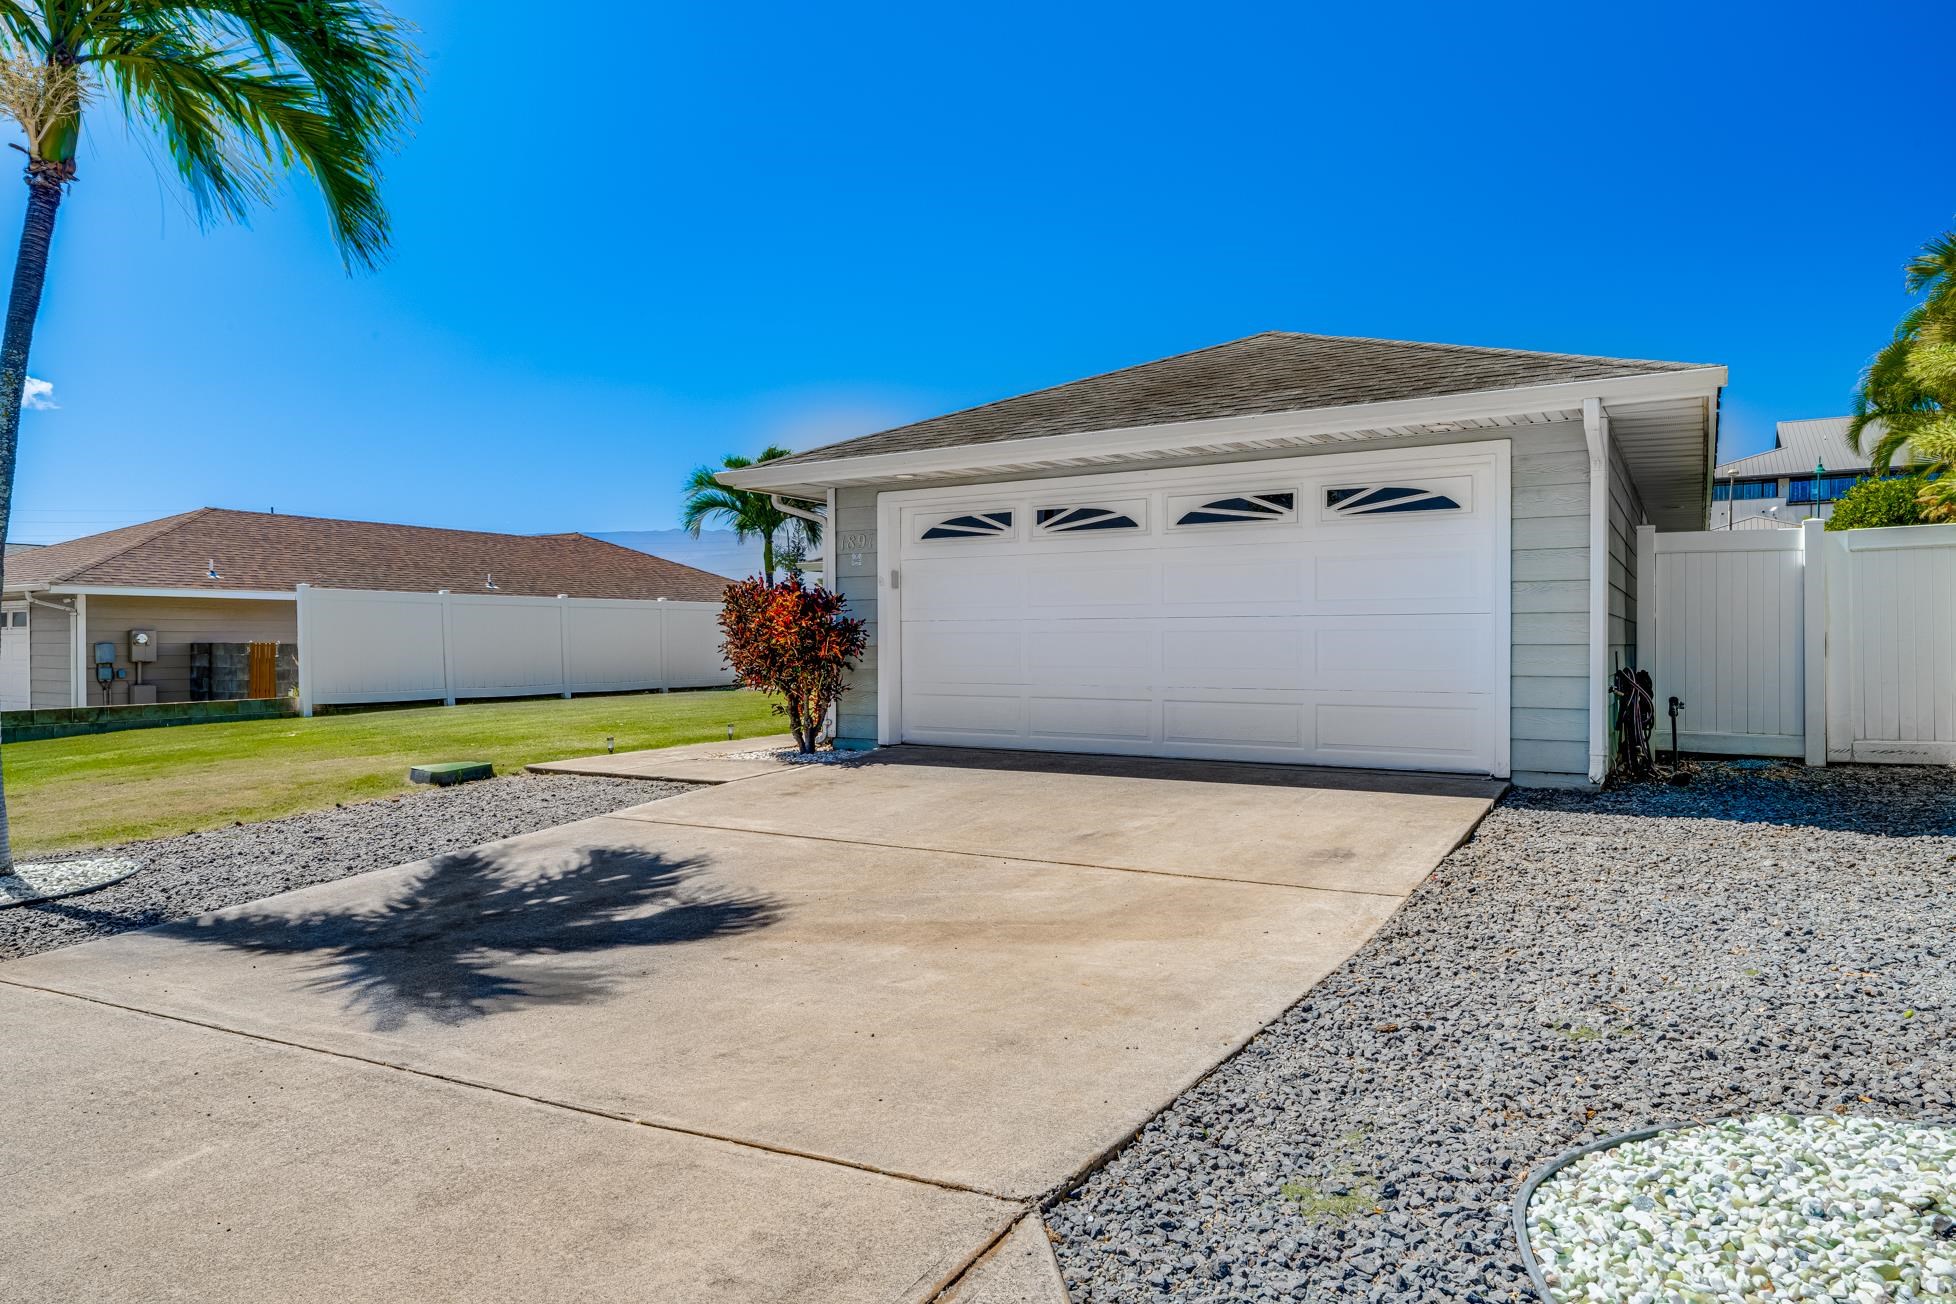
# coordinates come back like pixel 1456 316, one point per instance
pixel 818 1035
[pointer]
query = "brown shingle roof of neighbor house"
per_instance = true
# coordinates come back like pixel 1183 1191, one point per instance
pixel 263 551
pixel 1277 371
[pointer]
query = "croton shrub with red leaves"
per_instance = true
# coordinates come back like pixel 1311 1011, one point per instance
pixel 792 642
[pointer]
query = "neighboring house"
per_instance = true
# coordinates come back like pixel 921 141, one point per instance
pixel 1290 547
pixel 212 582
pixel 1781 486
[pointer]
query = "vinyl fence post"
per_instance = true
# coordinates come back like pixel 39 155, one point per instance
pixel 1813 565
pixel 447 647
pixel 665 665
pixel 303 623
pixel 563 640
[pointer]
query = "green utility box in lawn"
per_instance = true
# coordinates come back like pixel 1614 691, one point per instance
pixel 447 772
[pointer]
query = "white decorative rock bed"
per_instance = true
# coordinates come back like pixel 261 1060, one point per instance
pixel 1768 1208
pixel 790 756
pixel 48 880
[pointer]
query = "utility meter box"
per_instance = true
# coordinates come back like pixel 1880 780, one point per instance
pixel 142 645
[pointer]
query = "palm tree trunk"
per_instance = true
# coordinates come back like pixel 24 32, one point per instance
pixel 23 306
pixel 767 556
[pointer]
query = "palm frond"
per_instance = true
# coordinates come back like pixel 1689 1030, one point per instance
pixel 1933 438
pixel 20 28
pixel 748 514
pixel 241 91
pixel 1933 271
pixel 1882 457
pixel 810 530
pixel 1892 391
pixel 720 504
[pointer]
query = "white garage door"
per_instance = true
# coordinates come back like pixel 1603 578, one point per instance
pixel 1345 609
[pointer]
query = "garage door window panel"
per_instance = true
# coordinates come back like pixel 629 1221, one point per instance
pixel 1233 509
pixel 968 525
pixel 1089 518
pixel 1354 501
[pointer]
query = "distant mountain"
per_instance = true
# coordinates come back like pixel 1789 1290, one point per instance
pixel 714 550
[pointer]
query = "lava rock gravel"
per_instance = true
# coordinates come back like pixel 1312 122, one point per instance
pixel 1766 938
pixel 206 871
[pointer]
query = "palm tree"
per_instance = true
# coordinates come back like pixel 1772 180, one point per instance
pixel 1907 396
pixel 749 515
pixel 239 91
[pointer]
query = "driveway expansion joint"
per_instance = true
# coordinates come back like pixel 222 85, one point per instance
pixel 999 855
pixel 1023 1202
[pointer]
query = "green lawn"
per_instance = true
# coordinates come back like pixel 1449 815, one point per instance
pixel 109 788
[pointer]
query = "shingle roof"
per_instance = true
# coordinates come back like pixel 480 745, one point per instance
pixel 1801 444
pixel 258 550
pixel 1277 371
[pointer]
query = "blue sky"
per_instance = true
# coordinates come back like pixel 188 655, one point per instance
pixel 795 223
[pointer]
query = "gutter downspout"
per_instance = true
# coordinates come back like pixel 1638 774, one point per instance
pixel 829 544
pixel 1596 433
pixel 783 505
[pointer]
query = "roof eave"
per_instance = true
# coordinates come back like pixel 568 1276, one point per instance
pixel 815 477
pixel 170 591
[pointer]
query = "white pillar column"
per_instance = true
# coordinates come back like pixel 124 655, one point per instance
pixel 82 666
pixel 1596 433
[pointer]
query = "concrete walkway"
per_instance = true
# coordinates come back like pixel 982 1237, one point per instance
pixel 821 1035
pixel 693 763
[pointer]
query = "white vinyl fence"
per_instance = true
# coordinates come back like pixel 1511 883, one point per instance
pixel 358 645
pixel 1891 654
pixel 1803 643
pixel 1725 631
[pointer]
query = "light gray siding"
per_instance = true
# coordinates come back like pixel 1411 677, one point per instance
pixel 1550 714
pixel 51 647
pixel 855 580
pixel 1549 731
pixel 178 623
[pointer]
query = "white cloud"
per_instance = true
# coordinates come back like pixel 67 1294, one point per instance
pixel 39 395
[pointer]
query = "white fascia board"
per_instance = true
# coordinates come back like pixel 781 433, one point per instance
pixel 963 458
pixel 137 591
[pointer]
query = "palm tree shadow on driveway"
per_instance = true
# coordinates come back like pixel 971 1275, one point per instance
pixel 457 942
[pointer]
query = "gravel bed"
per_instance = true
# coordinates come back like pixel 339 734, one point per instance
pixel 794 756
pixel 205 871
pixel 1768 939
pixel 1774 1207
